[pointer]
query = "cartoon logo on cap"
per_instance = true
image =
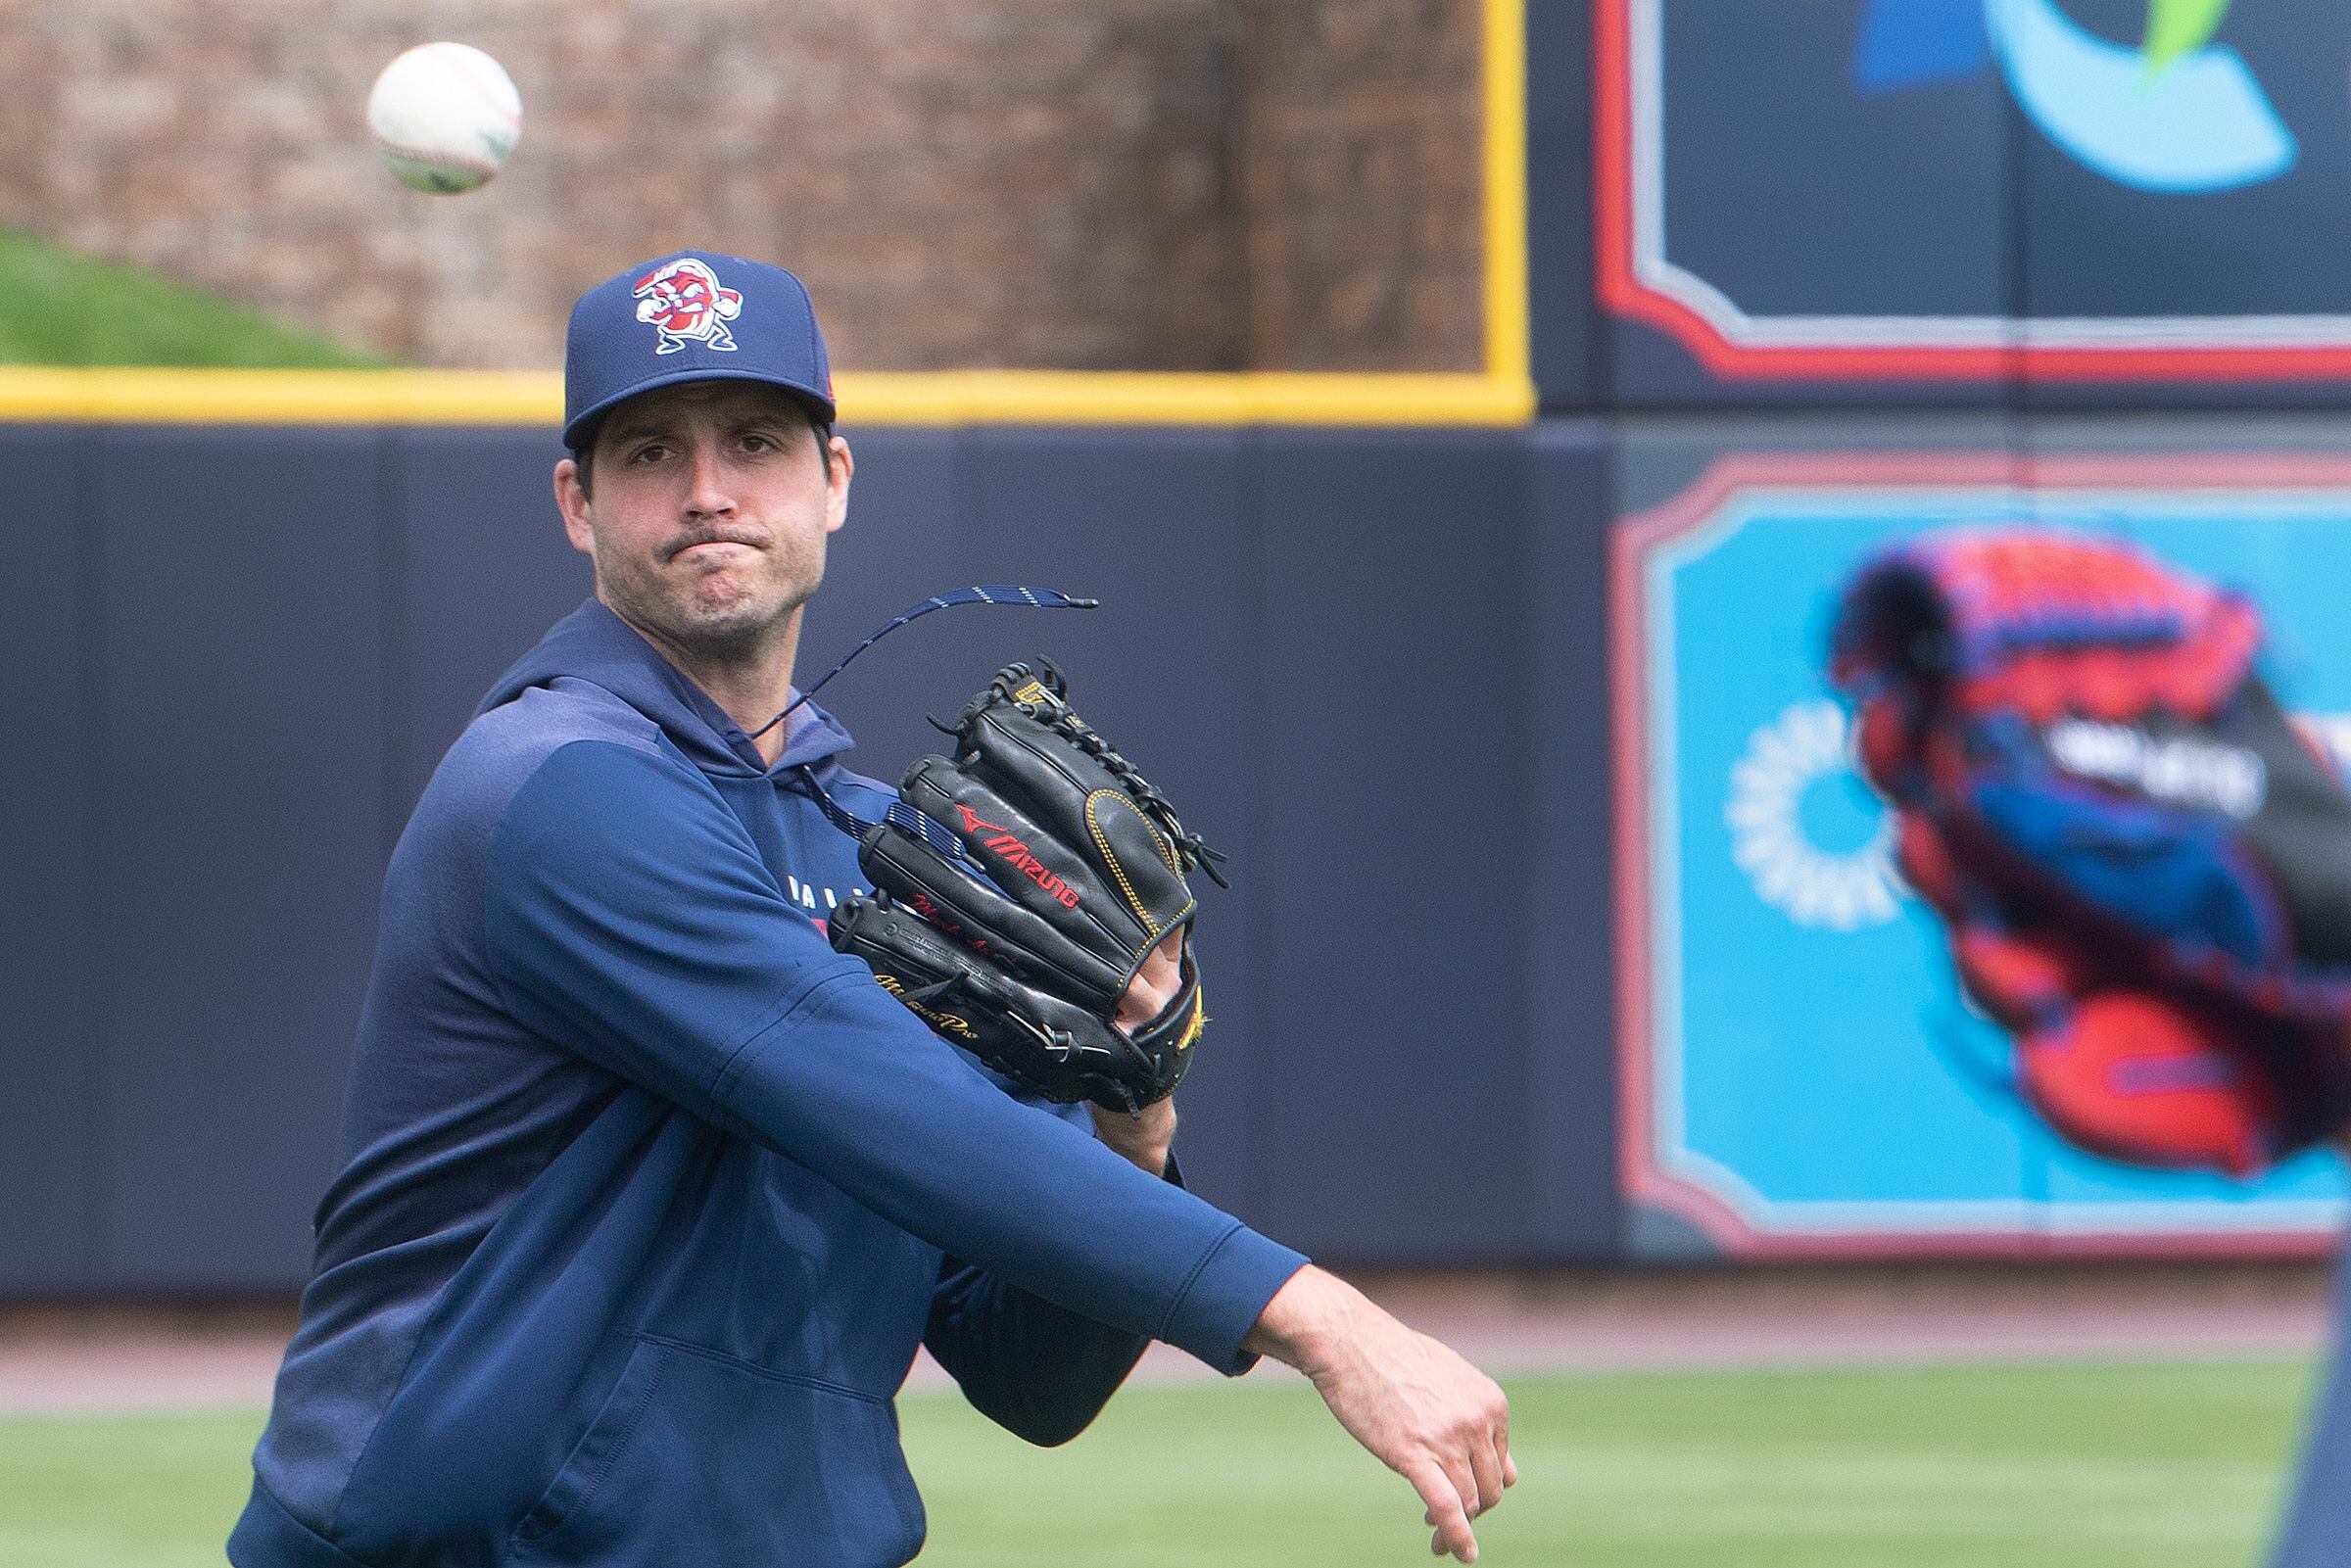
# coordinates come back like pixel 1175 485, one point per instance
pixel 686 304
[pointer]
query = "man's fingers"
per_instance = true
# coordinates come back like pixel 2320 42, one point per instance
pixel 1464 1486
pixel 1445 1510
pixel 1485 1467
pixel 1510 1469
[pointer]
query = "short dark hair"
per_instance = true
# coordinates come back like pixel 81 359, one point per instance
pixel 584 455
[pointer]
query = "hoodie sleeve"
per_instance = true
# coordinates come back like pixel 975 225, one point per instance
pixel 998 1342
pixel 628 915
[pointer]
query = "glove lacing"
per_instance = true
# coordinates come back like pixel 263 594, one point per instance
pixel 1056 715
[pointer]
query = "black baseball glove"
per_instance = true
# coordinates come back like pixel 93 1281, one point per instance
pixel 1015 931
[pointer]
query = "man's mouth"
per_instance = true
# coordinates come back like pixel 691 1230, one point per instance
pixel 704 547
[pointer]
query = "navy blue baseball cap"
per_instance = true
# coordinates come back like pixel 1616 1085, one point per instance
pixel 694 315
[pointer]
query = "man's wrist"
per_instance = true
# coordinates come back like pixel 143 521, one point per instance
pixel 1306 1317
pixel 1143 1140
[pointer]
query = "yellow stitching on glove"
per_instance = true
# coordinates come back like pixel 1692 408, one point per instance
pixel 1111 859
pixel 1199 1022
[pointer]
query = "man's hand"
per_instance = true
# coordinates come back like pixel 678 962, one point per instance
pixel 1421 1410
pixel 1146 1138
pixel 1154 985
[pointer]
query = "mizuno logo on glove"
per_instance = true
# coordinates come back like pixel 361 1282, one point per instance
pixel 1009 850
pixel 1042 979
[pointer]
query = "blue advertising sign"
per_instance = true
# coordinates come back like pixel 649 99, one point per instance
pixel 1800 1072
pixel 1979 190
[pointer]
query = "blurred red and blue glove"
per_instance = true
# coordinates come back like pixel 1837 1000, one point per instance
pixel 2144 869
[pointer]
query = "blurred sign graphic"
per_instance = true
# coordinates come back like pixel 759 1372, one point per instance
pixel 1800 1072
pixel 1980 189
pixel 1838 881
pixel 2176 114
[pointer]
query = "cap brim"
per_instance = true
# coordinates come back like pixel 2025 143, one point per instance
pixel 817 402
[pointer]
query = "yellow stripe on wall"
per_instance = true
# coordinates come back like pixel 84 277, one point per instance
pixel 54 393
pixel 931 398
pixel 1502 395
pixel 1508 356
pixel 1249 398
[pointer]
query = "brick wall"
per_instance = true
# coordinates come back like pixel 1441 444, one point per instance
pixel 1135 184
pixel 1360 183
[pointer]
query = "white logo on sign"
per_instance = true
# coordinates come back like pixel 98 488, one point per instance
pixel 2178 769
pixel 1839 890
pixel 2332 731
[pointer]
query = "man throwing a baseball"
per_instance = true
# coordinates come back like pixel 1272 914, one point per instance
pixel 648 1194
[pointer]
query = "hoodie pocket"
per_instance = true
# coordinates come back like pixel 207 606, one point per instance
pixel 698 1458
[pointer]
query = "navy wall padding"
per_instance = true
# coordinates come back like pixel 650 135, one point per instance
pixel 476 552
pixel 50 928
pixel 1397 784
pixel 239 646
pixel 1571 1049
pixel 910 534
pixel 1366 663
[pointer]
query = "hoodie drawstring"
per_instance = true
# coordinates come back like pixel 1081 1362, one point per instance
pixel 1038 599
pixel 900 814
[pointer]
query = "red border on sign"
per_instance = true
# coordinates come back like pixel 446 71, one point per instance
pixel 1622 292
pixel 1641 1180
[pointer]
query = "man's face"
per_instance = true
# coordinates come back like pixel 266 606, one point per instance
pixel 708 515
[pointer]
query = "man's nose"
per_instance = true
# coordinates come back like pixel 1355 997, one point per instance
pixel 707 494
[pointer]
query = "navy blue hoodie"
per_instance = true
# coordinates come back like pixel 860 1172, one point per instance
pixel 649 1196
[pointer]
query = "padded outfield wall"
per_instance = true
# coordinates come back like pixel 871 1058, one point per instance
pixel 1496 982
pixel 1366 663
pixel 1562 928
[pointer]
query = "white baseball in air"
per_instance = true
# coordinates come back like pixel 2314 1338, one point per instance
pixel 445 116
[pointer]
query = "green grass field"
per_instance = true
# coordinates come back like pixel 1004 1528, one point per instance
pixel 70 310
pixel 2160 1466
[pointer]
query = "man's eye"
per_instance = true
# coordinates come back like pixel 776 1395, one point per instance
pixel 651 452
pixel 757 442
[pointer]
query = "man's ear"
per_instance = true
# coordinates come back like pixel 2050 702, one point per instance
pixel 836 483
pixel 571 499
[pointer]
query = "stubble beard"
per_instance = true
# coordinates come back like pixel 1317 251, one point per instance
pixel 722 630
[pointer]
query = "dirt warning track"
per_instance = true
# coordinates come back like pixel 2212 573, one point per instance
pixel 60 1358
